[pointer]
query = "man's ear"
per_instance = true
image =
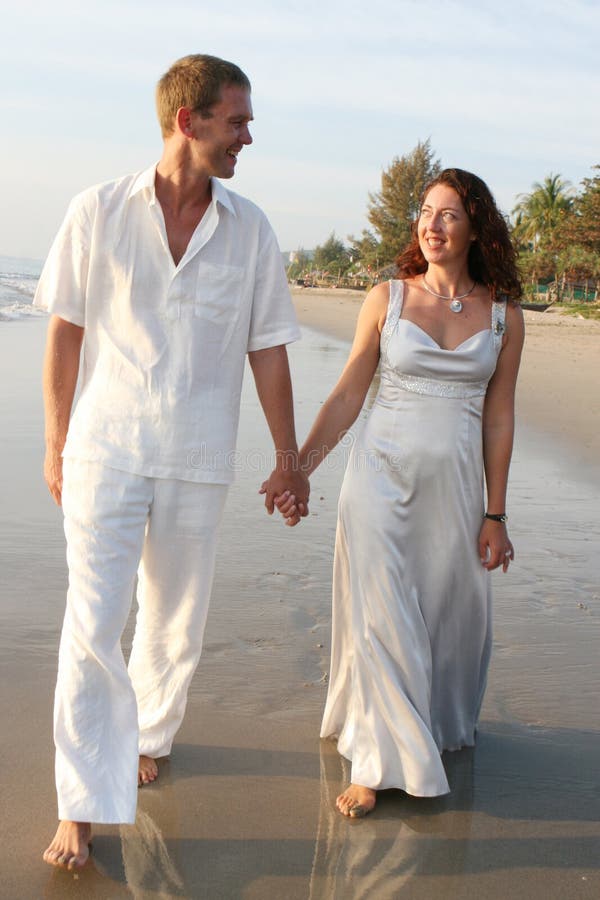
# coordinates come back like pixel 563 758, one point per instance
pixel 183 118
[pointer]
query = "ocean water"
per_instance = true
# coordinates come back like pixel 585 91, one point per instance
pixel 18 280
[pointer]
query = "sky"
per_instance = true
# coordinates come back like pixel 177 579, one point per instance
pixel 509 90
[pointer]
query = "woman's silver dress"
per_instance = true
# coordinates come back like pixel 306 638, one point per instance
pixel 411 600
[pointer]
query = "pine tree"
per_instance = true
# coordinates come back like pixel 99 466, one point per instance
pixel 393 209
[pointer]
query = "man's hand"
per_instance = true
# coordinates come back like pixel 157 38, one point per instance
pixel 53 474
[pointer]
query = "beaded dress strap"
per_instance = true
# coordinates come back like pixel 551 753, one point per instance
pixel 393 312
pixel 498 322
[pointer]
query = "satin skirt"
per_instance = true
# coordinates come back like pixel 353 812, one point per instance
pixel 411 601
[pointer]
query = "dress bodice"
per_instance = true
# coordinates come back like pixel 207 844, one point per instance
pixel 412 360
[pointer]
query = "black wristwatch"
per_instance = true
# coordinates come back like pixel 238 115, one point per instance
pixel 496 517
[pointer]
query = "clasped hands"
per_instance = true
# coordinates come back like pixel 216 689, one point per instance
pixel 287 489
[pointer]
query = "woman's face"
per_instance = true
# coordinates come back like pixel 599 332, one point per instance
pixel 444 229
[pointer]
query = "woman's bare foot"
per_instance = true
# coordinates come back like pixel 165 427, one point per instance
pixel 147 770
pixel 70 847
pixel 356 801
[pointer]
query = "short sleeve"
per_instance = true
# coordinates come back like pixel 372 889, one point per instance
pixel 61 289
pixel 273 321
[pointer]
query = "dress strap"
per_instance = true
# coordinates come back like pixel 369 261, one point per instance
pixel 393 312
pixel 498 321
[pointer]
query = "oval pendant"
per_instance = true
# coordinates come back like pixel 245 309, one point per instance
pixel 456 306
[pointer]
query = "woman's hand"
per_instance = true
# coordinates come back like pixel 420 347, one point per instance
pixel 495 547
pixel 287 504
pixel 289 508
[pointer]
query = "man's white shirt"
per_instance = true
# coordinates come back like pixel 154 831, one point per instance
pixel 164 345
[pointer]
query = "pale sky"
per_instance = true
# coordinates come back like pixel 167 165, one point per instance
pixel 509 90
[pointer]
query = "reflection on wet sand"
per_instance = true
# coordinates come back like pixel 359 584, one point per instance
pixel 377 857
pixel 524 800
pixel 259 822
pixel 146 860
pixel 137 863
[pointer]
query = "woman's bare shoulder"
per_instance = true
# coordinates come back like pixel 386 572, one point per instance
pixel 375 304
pixel 380 292
pixel 514 316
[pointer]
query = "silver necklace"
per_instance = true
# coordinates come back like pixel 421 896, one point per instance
pixel 455 304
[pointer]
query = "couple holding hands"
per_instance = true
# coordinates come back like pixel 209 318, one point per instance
pixel 158 285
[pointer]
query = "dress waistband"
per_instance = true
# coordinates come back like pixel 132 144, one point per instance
pixel 459 390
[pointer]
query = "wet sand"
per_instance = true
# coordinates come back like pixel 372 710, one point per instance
pixel 244 807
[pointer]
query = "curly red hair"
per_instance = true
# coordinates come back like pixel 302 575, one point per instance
pixel 492 258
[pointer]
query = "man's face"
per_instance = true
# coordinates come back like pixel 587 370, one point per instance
pixel 219 138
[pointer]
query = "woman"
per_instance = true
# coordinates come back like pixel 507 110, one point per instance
pixel 415 542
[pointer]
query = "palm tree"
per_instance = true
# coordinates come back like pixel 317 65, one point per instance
pixel 538 213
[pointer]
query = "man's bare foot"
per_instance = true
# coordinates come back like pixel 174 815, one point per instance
pixel 356 801
pixel 70 847
pixel 147 770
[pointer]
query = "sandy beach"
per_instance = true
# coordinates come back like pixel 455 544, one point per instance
pixel 243 809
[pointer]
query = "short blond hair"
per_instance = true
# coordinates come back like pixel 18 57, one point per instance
pixel 194 81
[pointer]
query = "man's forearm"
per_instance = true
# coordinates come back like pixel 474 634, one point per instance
pixel 274 387
pixel 61 368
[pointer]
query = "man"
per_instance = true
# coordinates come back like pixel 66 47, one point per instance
pixel 166 280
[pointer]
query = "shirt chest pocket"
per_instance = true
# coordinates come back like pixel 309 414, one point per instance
pixel 218 292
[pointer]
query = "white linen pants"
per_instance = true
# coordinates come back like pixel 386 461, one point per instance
pixel 118 525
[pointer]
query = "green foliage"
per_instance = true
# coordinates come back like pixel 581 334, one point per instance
pixel 558 231
pixel 577 263
pixel 583 225
pixel 538 265
pixel 365 250
pixel 332 256
pixel 393 209
pixel 539 213
pixel 300 264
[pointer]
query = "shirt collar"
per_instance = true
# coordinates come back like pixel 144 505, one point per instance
pixel 222 195
pixel 145 181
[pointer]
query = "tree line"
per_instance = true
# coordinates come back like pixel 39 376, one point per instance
pixel 555 227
